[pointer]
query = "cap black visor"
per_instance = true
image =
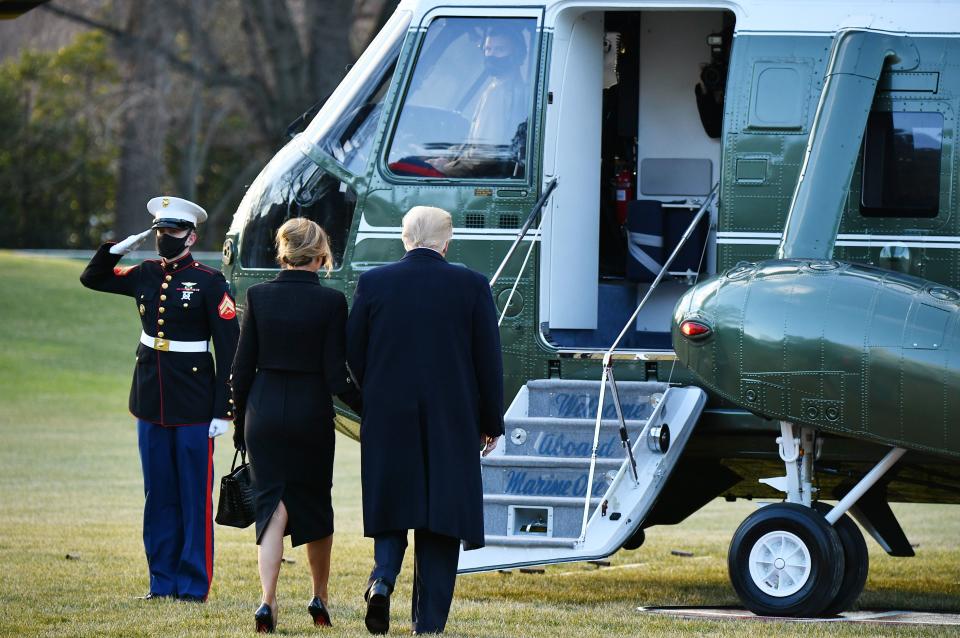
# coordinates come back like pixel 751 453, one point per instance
pixel 181 224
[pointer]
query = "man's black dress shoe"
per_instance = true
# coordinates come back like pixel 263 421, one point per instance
pixel 264 619
pixel 188 598
pixel 318 611
pixel 378 607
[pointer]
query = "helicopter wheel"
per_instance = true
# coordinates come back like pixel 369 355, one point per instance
pixel 856 562
pixel 786 560
pixel 635 541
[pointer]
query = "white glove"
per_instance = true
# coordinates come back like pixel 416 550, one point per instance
pixel 218 427
pixel 130 243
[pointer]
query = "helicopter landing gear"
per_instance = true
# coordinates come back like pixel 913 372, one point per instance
pixel 786 560
pixel 802 558
pixel 856 562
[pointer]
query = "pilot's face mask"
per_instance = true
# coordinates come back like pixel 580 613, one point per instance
pixel 498 58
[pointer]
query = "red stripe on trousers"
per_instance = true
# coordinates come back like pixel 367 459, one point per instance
pixel 209 517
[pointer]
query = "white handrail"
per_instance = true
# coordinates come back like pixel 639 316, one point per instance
pixel 607 375
pixel 523 267
pixel 547 191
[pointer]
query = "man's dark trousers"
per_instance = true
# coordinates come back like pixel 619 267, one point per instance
pixel 434 573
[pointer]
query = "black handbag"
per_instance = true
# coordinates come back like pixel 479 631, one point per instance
pixel 236 495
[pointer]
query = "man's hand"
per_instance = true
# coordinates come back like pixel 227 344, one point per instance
pixel 130 243
pixel 439 163
pixel 488 443
pixel 218 427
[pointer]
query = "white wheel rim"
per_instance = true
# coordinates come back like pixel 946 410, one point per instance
pixel 779 564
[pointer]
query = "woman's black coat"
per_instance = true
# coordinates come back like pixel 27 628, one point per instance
pixel 423 343
pixel 310 339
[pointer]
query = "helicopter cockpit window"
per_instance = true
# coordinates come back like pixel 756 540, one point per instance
pixel 467 110
pixel 293 186
pixel 901 165
pixel 345 126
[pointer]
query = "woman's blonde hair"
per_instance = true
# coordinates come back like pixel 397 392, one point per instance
pixel 300 241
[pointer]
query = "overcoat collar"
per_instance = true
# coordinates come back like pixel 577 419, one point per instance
pixel 299 276
pixel 424 252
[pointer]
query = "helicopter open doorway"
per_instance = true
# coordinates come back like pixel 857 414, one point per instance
pixel 639 145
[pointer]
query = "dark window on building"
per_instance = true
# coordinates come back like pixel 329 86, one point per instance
pixel 293 186
pixel 466 111
pixel 901 165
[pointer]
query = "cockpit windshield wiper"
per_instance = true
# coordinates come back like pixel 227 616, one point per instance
pixel 300 124
pixel 325 161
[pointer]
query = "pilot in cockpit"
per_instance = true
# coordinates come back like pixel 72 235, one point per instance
pixel 495 143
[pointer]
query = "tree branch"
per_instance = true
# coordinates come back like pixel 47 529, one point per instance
pixel 220 78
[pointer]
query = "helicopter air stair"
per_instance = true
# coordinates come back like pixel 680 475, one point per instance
pixel 535 482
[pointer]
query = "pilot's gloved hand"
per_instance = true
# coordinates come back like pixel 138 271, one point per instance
pixel 130 243
pixel 218 427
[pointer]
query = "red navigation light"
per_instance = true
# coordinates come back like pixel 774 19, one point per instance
pixel 693 329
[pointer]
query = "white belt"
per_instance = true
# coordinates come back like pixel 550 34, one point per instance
pixel 173 346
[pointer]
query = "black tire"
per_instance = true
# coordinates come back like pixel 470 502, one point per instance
pixel 819 577
pixel 635 541
pixel 856 562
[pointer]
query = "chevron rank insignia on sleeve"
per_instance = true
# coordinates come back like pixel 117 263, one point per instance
pixel 227 309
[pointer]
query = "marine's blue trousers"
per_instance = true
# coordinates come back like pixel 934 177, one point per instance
pixel 178 513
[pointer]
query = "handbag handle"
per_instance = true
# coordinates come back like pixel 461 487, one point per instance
pixel 243 459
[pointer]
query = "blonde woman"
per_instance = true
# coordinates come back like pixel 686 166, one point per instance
pixel 289 361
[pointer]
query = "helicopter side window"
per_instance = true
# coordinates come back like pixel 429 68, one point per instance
pixel 470 99
pixel 901 165
pixel 350 139
pixel 293 186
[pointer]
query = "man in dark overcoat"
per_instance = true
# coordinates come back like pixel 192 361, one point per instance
pixel 423 343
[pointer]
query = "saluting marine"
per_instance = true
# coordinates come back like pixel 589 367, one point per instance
pixel 181 401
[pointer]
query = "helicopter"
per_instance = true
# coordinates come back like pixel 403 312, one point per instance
pixel 722 238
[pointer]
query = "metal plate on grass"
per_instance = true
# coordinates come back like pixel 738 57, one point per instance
pixel 866 616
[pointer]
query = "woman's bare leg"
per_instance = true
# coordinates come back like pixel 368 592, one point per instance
pixel 269 554
pixel 318 553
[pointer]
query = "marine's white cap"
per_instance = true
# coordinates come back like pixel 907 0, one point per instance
pixel 173 212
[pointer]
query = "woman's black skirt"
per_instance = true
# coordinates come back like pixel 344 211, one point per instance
pixel 290 440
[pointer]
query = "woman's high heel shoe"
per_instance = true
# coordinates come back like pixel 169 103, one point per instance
pixel 321 617
pixel 264 619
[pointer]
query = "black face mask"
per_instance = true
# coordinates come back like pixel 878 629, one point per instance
pixel 169 246
pixel 497 66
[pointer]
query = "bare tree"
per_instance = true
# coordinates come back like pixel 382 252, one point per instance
pixel 192 64
pixel 143 140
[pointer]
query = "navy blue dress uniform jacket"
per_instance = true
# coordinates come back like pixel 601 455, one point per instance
pixel 181 301
pixel 423 343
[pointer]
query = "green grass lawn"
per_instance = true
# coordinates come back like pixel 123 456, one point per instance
pixel 70 485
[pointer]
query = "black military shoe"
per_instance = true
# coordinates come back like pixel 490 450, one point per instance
pixel 187 598
pixel 378 607
pixel 153 596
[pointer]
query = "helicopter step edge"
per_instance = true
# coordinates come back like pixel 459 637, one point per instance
pixel 535 482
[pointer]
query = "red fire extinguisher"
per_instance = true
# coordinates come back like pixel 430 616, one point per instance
pixel 623 188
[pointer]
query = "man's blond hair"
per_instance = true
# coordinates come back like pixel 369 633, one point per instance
pixel 427 227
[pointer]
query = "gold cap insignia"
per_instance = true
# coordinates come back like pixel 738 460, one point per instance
pixel 165 202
